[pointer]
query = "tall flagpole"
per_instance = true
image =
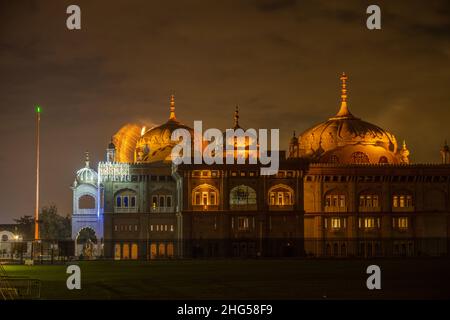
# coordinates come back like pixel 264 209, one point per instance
pixel 36 212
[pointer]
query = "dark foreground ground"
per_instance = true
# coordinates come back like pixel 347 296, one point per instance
pixel 245 279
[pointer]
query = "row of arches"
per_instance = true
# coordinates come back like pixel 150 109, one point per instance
pixel 242 196
pixel 402 199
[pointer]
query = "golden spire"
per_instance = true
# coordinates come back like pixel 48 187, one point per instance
pixel 86 158
pixel 404 154
pixel 172 107
pixel 343 111
pixel 236 117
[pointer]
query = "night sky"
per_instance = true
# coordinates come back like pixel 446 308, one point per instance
pixel 279 60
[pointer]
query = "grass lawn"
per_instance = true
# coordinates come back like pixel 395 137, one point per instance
pixel 244 279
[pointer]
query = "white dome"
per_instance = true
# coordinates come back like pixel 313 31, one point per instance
pixel 87 174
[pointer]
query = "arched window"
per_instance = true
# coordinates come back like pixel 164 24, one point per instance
pixel 335 200
pixel 86 202
pixel 360 157
pixel 402 200
pixel 161 201
pixel 369 199
pixel 205 196
pixel 281 195
pixel 383 160
pixel 243 197
pixel 126 201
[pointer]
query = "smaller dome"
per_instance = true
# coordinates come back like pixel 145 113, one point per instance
pixel 111 145
pixel 156 144
pixel 87 174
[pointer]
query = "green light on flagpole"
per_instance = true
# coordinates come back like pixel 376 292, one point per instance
pixel 38 109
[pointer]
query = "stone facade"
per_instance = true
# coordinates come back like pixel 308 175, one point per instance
pixel 344 189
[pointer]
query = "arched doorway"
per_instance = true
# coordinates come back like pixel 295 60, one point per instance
pixel 87 244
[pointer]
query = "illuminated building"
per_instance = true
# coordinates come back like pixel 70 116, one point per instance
pixel 345 188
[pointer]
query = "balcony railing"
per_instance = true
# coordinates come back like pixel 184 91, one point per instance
pixel 200 207
pixel 87 211
pixel 125 209
pixel 276 207
pixel 162 209
pixel 244 207
pixel 403 209
pixel 335 209
pixel 369 209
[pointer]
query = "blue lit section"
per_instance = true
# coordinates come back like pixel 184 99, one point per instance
pixel 99 199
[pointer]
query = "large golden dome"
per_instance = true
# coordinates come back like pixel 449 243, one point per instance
pixel 124 142
pixel 156 144
pixel 345 138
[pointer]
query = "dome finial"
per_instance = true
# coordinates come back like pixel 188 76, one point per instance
pixel 172 107
pixel 236 117
pixel 343 111
pixel 404 154
pixel 86 155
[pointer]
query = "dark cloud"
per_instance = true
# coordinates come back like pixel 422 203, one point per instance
pixel 279 60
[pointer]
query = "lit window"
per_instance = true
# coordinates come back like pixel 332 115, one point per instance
pixel 287 198
pixel 375 202
pixel 403 223
pixel 368 201
pixel 171 227
pixel 242 195
pixel 212 198
pixel 342 201
pixel 151 227
pixel 335 223
pixel 197 198
pixel 125 201
pixel 395 201
pixel 280 198
pixel 204 195
pixel 369 223
pixel 272 198
pixel 243 223
pixel 409 201
pixel 335 200
pixel 402 201
pixel 154 202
